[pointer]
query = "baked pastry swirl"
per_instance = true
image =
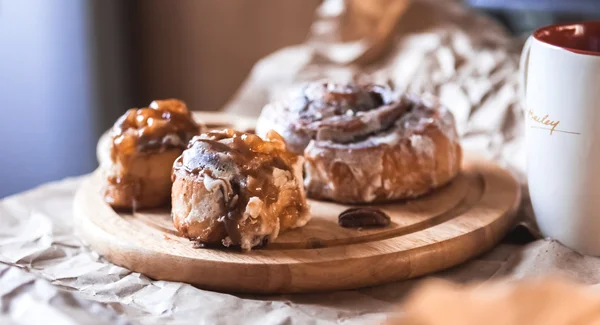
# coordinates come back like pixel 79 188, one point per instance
pixel 365 143
pixel 143 145
pixel 235 188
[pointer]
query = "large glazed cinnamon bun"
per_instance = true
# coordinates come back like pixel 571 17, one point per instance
pixel 143 145
pixel 235 188
pixel 364 143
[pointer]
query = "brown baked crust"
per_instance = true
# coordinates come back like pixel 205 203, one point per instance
pixel 143 145
pixel 146 181
pixel 364 143
pixel 235 188
pixel 191 200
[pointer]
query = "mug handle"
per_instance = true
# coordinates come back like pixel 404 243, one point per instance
pixel 523 67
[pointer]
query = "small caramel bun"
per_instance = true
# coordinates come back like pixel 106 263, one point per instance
pixel 234 188
pixel 364 143
pixel 137 159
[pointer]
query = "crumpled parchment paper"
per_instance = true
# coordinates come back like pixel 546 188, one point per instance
pixel 437 47
pixel 47 275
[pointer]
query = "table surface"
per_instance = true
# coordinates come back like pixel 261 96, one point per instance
pixel 47 275
pixel 46 268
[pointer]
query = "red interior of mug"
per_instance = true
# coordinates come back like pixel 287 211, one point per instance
pixel 581 38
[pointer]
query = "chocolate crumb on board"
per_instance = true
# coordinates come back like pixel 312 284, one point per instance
pixel 363 218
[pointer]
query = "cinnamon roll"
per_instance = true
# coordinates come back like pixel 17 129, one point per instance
pixel 365 143
pixel 234 188
pixel 142 146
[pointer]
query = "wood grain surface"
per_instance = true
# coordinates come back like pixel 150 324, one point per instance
pixel 427 234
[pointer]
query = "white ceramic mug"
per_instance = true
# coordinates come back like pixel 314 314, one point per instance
pixel 560 83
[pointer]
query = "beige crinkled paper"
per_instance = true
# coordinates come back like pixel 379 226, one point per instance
pixel 45 270
pixel 46 273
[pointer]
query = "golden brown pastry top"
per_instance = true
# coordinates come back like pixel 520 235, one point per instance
pixel 246 162
pixel 164 124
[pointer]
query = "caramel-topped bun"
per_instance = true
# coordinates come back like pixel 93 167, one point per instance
pixel 143 144
pixel 365 143
pixel 235 188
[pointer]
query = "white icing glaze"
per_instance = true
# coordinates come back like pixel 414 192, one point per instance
pixel 253 209
pixel 173 140
pixel 213 184
pixel 283 118
pixel 336 124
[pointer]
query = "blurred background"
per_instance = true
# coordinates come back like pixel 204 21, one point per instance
pixel 69 68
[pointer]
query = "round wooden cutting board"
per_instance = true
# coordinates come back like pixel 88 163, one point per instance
pixel 434 232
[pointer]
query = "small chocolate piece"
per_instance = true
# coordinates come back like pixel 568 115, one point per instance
pixel 363 217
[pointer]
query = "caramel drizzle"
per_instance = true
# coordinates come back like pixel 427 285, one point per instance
pixel 147 129
pixel 253 168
